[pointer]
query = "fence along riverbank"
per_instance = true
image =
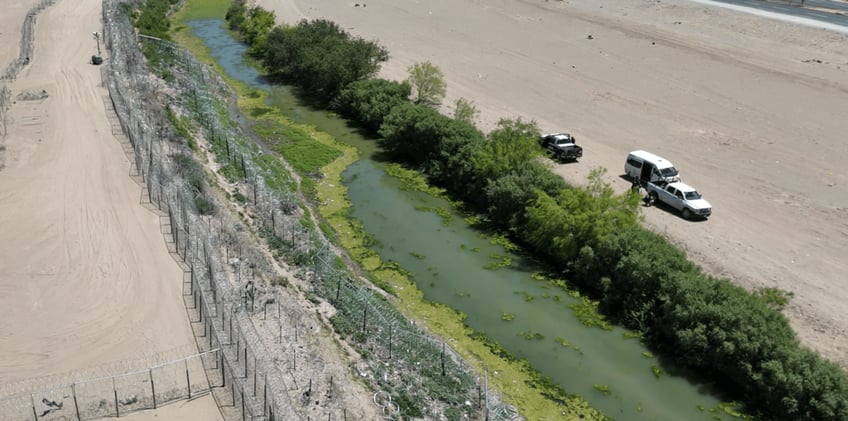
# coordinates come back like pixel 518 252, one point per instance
pixel 231 270
pixel 258 367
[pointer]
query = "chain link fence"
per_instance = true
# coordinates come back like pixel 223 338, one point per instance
pixel 98 392
pixel 263 351
pixel 276 364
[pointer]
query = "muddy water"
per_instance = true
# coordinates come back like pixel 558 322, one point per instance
pixel 449 260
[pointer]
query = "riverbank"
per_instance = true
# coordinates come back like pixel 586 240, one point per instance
pixel 674 78
pixel 512 377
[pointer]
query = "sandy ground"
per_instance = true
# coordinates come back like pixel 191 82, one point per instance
pixel 85 276
pixel 14 12
pixel 750 110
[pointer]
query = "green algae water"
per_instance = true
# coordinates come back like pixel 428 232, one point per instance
pixel 457 265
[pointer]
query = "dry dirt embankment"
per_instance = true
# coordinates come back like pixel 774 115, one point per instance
pixel 749 109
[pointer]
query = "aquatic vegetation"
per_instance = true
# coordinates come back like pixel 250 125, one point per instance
pixel 656 370
pixel 531 336
pixel 586 312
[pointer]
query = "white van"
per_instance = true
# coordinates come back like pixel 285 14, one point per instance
pixel 645 166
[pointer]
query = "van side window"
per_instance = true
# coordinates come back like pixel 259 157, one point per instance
pixel 634 163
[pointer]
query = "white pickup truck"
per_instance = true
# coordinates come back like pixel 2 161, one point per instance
pixel 680 196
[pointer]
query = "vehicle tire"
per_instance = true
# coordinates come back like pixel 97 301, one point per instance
pixel 687 214
pixel 653 196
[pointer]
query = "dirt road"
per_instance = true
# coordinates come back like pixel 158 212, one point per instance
pixel 750 110
pixel 85 276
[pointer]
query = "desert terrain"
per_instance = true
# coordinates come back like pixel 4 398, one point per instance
pixel 750 110
pixel 86 279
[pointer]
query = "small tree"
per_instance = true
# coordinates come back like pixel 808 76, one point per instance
pixel 428 83
pixel 465 110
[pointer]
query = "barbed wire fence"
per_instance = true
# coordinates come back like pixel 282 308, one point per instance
pixel 10 73
pixel 97 392
pixel 230 273
pixel 256 367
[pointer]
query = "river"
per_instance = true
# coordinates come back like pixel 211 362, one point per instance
pixel 449 258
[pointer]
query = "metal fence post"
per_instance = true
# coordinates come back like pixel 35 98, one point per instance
pixel 243 413
pixel 223 370
pixel 188 380
pixel 115 391
pixel 76 405
pixel 152 386
pixel 34 412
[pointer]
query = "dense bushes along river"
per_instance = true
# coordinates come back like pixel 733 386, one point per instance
pixel 737 340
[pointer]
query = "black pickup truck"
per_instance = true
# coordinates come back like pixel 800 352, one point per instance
pixel 562 146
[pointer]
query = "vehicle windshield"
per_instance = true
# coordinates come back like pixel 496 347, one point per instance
pixel 669 172
pixel 693 195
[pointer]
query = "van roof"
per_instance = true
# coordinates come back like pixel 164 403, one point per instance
pixel 660 162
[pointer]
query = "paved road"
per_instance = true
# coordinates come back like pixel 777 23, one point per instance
pixel 809 10
pixel 841 6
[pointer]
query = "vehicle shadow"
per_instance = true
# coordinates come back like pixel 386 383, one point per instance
pixel 668 209
pixel 558 161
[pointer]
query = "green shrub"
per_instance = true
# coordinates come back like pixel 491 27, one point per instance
pixel 320 57
pixel 370 101
pixel 204 206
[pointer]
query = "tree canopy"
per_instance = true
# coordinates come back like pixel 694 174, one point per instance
pixel 428 83
pixel 320 57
